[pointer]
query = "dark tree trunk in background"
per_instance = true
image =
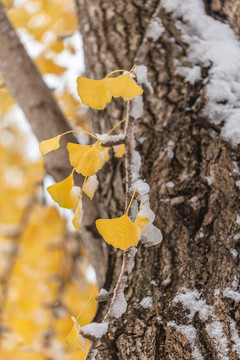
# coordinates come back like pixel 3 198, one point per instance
pixel 197 217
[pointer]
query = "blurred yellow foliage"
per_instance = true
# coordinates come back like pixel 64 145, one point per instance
pixel 41 284
pixel 42 266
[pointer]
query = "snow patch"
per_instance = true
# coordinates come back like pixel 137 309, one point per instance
pixel 155 29
pixel 215 331
pixel 110 138
pixel 191 74
pixel 170 184
pixel 96 330
pixel 131 263
pixel 190 332
pixel 234 253
pixel 142 78
pixel 212 44
pixel 238 219
pixel 191 301
pixel 146 302
pixel 234 295
pixel 137 107
pixel 119 306
pixel 234 336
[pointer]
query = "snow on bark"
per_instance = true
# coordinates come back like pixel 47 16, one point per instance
pixel 119 306
pixel 96 330
pixel 212 44
pixel 215 331
pixel 190 332
pixel 234 336
pixel 146 302
pixel 155 29
pixel 191 301
pixel 130 266
pixel 231 294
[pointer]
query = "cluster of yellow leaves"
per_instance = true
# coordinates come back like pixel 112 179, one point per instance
pixel 89 159
pixel 97 93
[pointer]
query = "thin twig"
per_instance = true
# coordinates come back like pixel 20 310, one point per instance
pixel 128 255
pixel 113 143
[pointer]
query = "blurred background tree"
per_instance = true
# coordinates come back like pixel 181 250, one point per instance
pixel 45 275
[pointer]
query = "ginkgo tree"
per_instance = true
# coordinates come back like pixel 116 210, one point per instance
pixel 178 147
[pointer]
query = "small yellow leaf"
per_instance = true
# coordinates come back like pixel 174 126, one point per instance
pixel 86 159
pixel 91 186
pixel 141 221
pixel 93 93
pixel 46 146
pixel 48 66
pixel 119 232
pixel 123 86
pixel 77 218
pixel 119 150
pixel 75 340
pixel 61 192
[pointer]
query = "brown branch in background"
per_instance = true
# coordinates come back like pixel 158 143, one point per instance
pixel 25 83
pixel 78 10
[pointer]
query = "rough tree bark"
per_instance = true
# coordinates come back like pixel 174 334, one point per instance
pixel 197 218
pixel 179 146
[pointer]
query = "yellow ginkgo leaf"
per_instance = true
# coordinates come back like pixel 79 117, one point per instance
pixel 46 146
pixel 86 159
pixel 120 232
pixel 77 218
pixel 61 192
pixel 119 150
pixel 91 186
pixel 123 86
pixel 141 221
pixel 75 340
pixel 93 93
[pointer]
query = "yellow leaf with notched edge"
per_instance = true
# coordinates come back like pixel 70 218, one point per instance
pixel 86 159
pixel 93 93
pixel 123 86
pixel 46 146
pixel 141 221
pixel 75 340
pixel 61 192
pixel 120 232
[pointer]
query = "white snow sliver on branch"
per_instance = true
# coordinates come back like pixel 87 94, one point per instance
pixel 212 44
pixel 150 234
pixel 110 138
pixel 96 330
pixel 119 306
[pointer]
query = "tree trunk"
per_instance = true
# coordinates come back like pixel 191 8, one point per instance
pixel 182 294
